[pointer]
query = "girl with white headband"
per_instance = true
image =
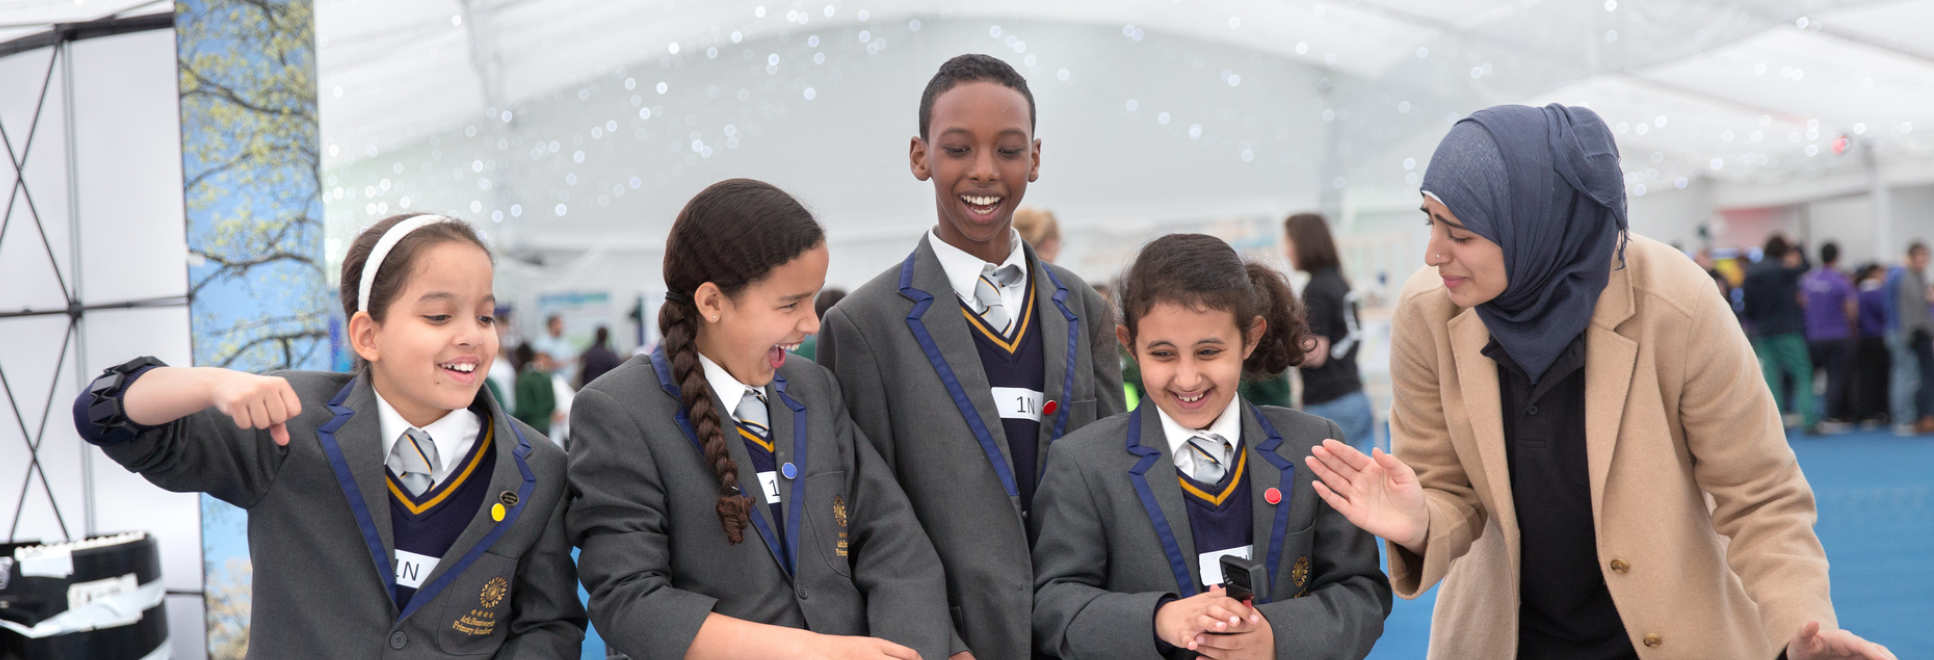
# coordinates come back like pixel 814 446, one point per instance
pixel 395 511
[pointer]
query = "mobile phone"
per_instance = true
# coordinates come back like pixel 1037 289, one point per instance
pixel 1238 575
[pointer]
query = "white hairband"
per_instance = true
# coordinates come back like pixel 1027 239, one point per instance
pixel 384 245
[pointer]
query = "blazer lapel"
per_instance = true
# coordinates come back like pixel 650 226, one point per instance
pixel 511 475
pixel 789 428
pixel 1060 332
pixel 760 515
pixel 942 334
pixel 352 440
pixel 1270 470
pixel 1609 362
pixel 1154 478
pixel 1477 377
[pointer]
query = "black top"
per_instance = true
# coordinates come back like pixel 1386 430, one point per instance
pixel 1332 314
pixel 1564 610
pixel 595 362
pixel 1772 296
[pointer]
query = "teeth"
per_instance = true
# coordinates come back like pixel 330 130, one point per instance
pixel 1191 399
pixel 461 367
pixel 980 200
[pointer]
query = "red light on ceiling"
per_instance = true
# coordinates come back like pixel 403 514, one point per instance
pixel 1841 145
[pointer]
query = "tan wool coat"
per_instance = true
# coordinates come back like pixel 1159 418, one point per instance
pixel 1676 410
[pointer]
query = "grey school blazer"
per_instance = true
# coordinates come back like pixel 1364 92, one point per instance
pixel 1114 540
pixel 319 532
pixel 656 559
pixel 915 386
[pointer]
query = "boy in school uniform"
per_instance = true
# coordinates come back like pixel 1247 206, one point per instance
pixel 966 360
pixel 395 512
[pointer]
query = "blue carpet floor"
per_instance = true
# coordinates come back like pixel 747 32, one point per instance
pixel 1876 499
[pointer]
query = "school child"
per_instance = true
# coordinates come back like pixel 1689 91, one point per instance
pixel 1137 511
pixel 393 512
pixel 965 361
pixel 536 396
pixel 726 505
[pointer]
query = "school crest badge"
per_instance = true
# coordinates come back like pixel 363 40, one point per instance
pixel 483 621
pixel 839 520
pixel 1299 572
pixel 493 591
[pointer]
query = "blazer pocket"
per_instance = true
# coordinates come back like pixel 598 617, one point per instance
pixel 1080 413
pixel 827 511
pixel 1293 575
pixel 472 615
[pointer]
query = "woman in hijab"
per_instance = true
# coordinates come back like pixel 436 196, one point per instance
pixel 1566 396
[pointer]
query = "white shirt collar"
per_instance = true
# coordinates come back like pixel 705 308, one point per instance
pixel 454 433
pixel 729 389
pixel 963 269
pixel 1228 425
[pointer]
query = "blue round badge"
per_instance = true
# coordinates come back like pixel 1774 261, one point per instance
pixel 788 470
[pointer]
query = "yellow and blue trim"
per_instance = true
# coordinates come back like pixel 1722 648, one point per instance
pixel 346 480
pixel 441 491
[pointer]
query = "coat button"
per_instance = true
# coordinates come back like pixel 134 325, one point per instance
pixel 398 640
pixel 1533 411
pixel 802 593
pixel 1653 640
pixel 1620 567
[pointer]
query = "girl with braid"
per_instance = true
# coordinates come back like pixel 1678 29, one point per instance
pixel 725 503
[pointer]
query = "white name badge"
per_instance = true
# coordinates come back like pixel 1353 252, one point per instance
pixel 1018 403
pixel 412 569
pixel 769 482
pixel 1212 563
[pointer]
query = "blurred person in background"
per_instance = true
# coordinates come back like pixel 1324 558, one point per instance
pixel 1776 322
pixel 1332 388
pixel 1039 228
pixel 1832 310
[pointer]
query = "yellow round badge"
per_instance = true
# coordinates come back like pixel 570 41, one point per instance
pixel 497 512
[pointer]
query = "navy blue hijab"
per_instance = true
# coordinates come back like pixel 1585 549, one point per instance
pixel 1544 184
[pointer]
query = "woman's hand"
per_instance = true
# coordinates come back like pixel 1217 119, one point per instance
pixel 1812 643
pixel 1377 493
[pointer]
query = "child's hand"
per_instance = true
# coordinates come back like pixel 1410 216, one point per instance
pixel 1182 622
pixel 255 402
pixel 1254 640
pixel 840 647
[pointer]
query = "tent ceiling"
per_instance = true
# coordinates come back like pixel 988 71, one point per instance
pixel 1744 87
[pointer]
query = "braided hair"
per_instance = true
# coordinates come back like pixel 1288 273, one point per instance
pixel 731 234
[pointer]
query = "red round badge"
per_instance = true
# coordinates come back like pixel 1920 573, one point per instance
pixel 1050 407
pixel 1273 496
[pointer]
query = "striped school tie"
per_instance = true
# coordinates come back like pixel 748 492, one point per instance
pixel 752 413
pixel 413 458
pixel 987 294
pixel 1212 454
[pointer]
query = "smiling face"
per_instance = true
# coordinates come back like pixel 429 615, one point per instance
pixel 750 333
pixel 1472 267
pixel 980 153
pixel 437 339
pixel 1191 359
